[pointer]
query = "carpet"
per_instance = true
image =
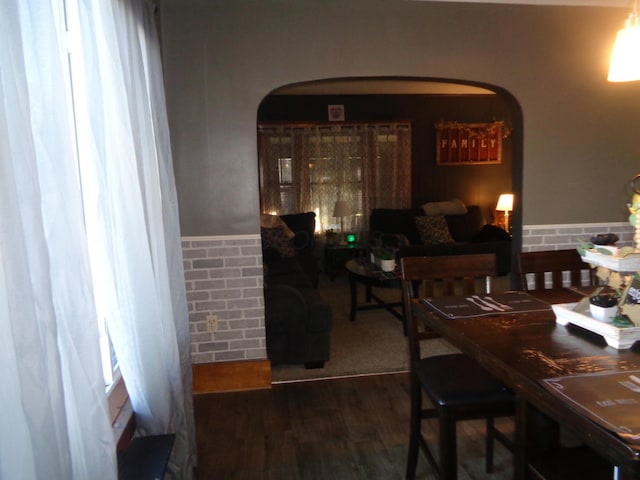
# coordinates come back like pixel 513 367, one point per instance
pixel 372 344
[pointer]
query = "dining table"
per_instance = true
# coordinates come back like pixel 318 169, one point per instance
pixel 544 363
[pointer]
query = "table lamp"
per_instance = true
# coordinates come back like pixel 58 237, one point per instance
pixel 505 204
pixel 341 209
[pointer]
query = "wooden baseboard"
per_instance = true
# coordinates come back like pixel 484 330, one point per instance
pixel 231 376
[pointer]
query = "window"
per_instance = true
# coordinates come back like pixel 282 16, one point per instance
pixel 310 167
pixel 100 264
pixel 88 164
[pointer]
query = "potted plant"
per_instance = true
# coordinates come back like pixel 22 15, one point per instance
pixel 331 236
pixel 385 258
pixel 603 306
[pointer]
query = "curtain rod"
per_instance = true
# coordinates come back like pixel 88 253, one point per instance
pixel 330 126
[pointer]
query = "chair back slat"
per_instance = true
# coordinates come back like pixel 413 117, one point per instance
pixel 551 268
pixel 443 275
pixel 457 387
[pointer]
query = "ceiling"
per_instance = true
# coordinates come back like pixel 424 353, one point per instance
pixel 583 3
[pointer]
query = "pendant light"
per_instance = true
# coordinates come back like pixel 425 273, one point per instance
pixel 625 60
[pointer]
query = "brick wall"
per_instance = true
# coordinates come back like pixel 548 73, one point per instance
pixel 224 277
pixel 564 237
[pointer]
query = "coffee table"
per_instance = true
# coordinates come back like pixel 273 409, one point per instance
pixel 362 271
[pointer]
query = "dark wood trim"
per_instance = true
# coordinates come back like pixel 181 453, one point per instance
pixel 124 427
pixel 117 398
pixel 123 420
pixel 330 123
pixel 231 376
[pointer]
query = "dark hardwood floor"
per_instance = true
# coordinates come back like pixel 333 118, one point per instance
pixel 351 428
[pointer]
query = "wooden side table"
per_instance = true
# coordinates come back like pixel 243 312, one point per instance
pixel 336 256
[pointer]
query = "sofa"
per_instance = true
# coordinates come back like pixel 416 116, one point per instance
pixel 445 231
pixel 297 319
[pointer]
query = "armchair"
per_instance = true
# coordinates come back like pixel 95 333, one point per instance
pixel 297 319
pixel 298 324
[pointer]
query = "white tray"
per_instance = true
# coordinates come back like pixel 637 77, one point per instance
pixel 628 263
pixel 619 338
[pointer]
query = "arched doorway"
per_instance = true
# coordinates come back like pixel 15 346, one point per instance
pixel 422 101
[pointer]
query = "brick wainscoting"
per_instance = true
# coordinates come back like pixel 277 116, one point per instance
pixel 564 237
pixel 224 278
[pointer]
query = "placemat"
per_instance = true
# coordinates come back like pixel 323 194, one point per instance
pixel 483 305
pixel 611 399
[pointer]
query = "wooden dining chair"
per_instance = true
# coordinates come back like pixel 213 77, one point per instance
pixel 552 269
pixel 458 388
pixel 544 270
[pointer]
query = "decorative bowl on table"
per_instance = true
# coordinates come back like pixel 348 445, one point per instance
pixel 605 239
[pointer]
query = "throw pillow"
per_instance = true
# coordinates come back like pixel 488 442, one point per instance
pixel 277 239
pixel 433 230
pixel 451 207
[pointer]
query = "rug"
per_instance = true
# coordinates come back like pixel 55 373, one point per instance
pixel 374 343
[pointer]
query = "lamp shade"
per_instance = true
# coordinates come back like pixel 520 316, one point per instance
pixel 505 202
pixel 341 209
pixel 625 60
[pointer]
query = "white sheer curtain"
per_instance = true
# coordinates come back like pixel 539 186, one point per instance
pixel 310 167
pixel 56 419
pixel 55 422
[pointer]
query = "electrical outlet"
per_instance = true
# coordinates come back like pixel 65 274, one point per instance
pixel 212 323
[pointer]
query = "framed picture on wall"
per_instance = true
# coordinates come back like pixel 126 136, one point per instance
pixel 469 143
pixel 336 113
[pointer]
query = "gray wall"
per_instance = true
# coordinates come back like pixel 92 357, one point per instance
pixel 222 57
